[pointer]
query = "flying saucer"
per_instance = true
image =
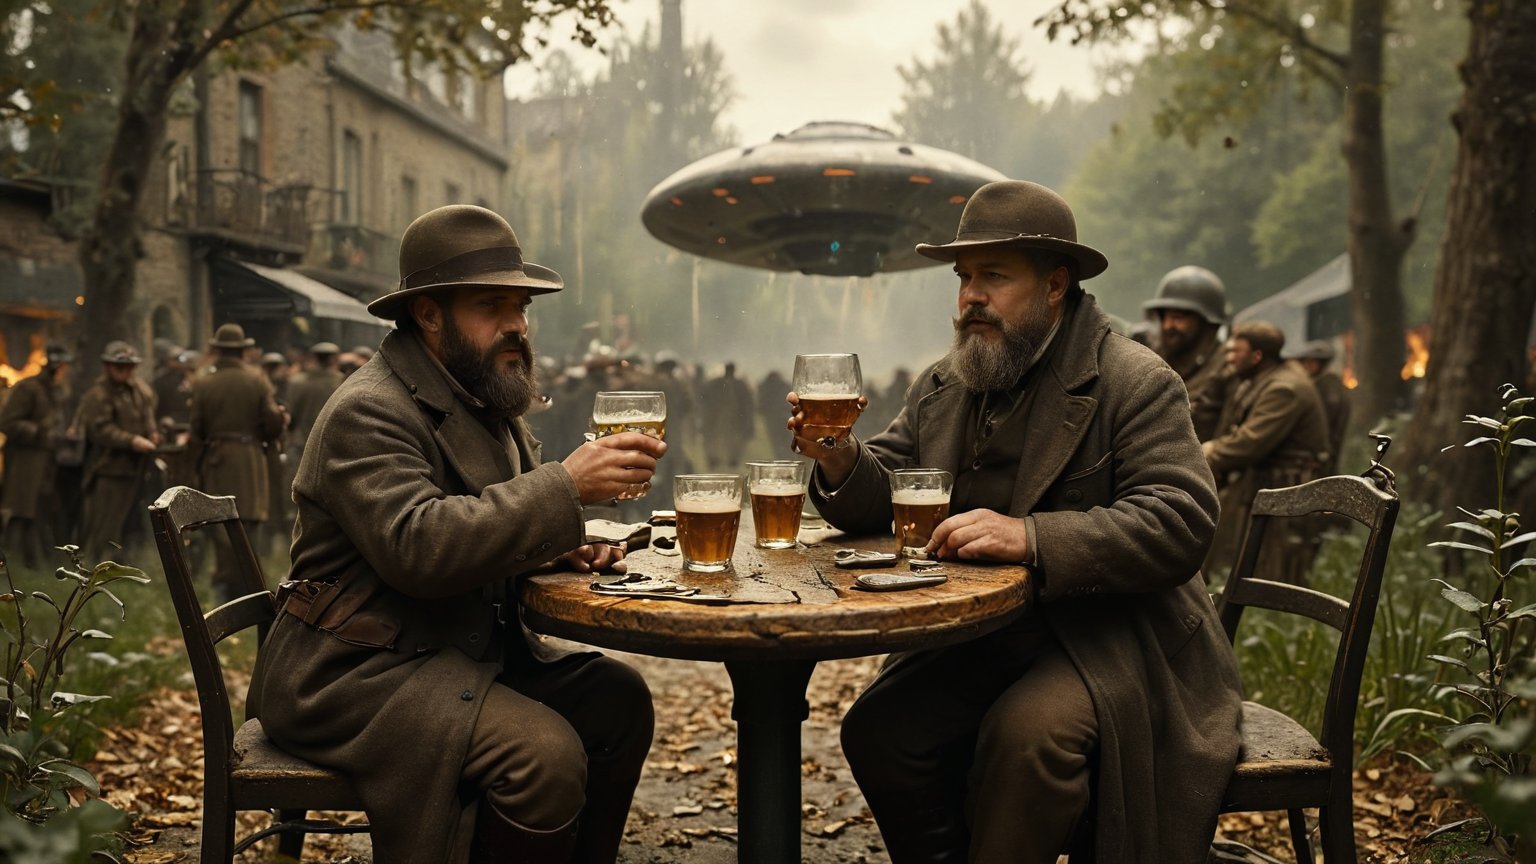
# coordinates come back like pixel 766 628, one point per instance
pixel 829 199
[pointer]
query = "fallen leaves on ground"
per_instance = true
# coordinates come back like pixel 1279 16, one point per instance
pixel 152 769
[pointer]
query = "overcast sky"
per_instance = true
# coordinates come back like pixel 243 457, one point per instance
pixel 794 61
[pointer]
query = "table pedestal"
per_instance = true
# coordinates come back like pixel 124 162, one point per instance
pixel 768 708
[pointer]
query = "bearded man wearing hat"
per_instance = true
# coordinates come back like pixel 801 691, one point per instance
pixel 421 499
pixel 31 422
pixel 234 417
pixel 1073 452
pixel 117 418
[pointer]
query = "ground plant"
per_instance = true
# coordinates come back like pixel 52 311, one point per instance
pixel 1490 735
pixel 52 811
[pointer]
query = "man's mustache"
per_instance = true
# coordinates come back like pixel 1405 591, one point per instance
pixel 513 342
pixel 972 314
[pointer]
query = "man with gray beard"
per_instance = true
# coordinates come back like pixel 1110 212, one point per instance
pixel 1073 452
pixel 421 499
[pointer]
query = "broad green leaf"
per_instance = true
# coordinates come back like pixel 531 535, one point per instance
pixel 111 571
pixel 64 699
pixel 1523 442
pixel 78 775
pixel 1463 600
pixel 1468 634
pixel 95 634
pixel 1523 612
pixel 12 761
pixel 1515 541
pixel 1483 440
pixel 1487 422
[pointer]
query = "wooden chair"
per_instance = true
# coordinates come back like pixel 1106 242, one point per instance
pixel 1281 766
pixel 242 770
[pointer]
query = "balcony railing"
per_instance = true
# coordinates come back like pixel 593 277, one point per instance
pixel 362 251
pixel 249 207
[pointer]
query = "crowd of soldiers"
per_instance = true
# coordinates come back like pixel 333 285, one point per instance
pixel 233 420
pixel 1266 417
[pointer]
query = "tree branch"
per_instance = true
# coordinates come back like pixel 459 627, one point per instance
pixel 228 30
pixel 1289 29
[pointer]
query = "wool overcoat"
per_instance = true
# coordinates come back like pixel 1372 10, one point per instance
pixel 110 415
pixel 234 416
pixel 409 504
pixel 1123 507
pixel 29 421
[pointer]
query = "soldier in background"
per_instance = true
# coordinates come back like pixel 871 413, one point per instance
pixel 1272 433
pixel 1191 307
pixel 31 420
pixel 117 419
pixel 275 367
pixel 233 418
pixel 729 418
pixel 173 386
pixel 1315 356
pixel 307 393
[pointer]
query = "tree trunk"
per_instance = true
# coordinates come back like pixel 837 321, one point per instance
pixel 1376 244
pixel 1485 287
pixel 159 51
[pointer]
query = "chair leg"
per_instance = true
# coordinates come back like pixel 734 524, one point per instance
pixel 218 842
pixel 1301 842
pixel 1338 824
pixel 291 843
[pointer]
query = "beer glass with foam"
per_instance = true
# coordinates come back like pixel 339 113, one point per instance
pixel 708 515
pixel 828 386
pixel 778 493
pixel 919 502
pixel 644 411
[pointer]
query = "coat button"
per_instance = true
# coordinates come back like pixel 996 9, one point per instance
pixel 976 466
pixel 521 558
pixel 467 695
pixel 544 548
pixel 474 638
pixel 1074 495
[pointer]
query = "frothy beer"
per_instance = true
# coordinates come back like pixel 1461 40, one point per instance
pixel 706 530
pixel 776 513
pixel 917 512
pixel 828 416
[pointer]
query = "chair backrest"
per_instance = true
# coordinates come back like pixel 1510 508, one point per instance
pixel 180 509
pixel 1370 500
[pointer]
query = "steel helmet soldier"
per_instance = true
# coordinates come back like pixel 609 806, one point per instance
pixel 117 418
pixel 1315 356
pixel 1191 307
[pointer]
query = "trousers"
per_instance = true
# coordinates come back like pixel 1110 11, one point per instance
pixel 980 751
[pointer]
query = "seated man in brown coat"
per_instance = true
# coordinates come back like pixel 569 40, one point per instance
pixel 1072 451
pixel 398 658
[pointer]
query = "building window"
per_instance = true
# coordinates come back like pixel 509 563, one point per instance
pixel 453 193
pixel 250 128
pixel 408 200
pixel 351 179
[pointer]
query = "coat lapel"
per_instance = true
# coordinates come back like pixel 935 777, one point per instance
pixel 941 414
pixel 1059 420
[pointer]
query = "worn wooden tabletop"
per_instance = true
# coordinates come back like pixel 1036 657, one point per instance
pixel 786 604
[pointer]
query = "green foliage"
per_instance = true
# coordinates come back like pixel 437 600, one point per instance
pixel 42 636
pixel 1490 671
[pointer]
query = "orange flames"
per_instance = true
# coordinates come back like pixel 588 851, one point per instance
pixel 33 366
pixel 1418 353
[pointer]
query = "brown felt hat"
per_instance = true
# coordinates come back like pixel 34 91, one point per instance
pixel 461 245
pixel 120 353
pixel 230 336
pixel 1021 214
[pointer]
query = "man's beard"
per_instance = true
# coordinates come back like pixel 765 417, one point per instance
pixel 985 364
pixel 1177 345
pixel 507 392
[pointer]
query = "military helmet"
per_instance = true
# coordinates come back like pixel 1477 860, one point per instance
pixel 272 358
pixel 1192 289
pixel 120 352
pixel 1317 349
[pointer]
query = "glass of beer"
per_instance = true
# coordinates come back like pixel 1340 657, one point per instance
pixel 919 502
pixel 778 493
pixel 644 411
pixel 828 386
pixel 708 515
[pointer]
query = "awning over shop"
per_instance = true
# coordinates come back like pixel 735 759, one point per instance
pixel 247 291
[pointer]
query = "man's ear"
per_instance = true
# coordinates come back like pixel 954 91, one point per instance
pixel 1056 285
pixel 428 313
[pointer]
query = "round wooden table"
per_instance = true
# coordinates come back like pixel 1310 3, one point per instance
pixel 789 609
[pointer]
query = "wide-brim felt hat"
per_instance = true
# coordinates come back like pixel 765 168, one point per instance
pixel 323 348
pixel 120 353
pixel 230 336
pixel 461 246
pixel 1021 214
